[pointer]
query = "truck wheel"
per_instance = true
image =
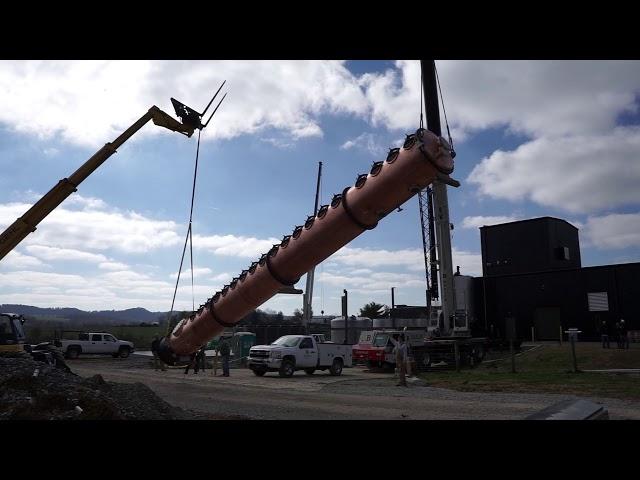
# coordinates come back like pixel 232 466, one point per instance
pixel 73 353
pixel 124 352
pixel 259 372
pixel 336 367
pixel 286 369
pixel 309 371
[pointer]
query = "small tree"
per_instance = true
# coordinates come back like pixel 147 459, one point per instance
pixel 374 310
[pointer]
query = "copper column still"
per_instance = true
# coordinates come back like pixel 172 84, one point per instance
pixel 423 158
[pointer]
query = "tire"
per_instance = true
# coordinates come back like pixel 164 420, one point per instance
pixel 309 371
pixel 336 367
pixel 286 369
pixel 73 353
pixel 478 353
pixel 259 372
pixel 124 352
pixel 424 360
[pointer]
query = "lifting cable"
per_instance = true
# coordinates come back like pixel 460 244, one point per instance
pixel 189 239
pixel 444 110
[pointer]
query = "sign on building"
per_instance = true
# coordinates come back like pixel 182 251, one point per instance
pixel 598 302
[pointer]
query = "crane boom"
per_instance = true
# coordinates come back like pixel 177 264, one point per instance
pixel 28 223
pixel 423 158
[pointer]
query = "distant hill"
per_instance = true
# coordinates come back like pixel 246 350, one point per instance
pixel 130 315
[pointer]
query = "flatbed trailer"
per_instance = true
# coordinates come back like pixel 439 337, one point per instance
pixel 453 351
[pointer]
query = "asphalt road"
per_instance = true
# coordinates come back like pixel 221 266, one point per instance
pixel 355 395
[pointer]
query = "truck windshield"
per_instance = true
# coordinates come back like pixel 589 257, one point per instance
pixel 380 340
pixel 287 341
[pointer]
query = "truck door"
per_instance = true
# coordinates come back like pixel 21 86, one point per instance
pixel 110 345
pixel 308 353
pixel 95 345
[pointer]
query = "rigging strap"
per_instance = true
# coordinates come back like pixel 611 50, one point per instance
pixel 189 239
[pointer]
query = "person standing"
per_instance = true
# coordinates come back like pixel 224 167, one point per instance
pixel 604 334
pixel 192 364
pixel 200 359
pixel 225 352
pixel 624 335
pixel 400 351
pixel 155 346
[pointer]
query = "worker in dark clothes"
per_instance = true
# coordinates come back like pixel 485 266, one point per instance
pixel 604 334
pixel 200 357
pixel 157 363
pixel 225 351
pixel 623 334
pixel 192 364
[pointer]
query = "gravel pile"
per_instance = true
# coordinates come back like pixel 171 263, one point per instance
pixel 31 390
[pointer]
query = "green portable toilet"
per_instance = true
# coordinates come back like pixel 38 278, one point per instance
pixel 242 343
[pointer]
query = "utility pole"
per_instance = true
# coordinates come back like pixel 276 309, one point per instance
pixel 440 202
pixel 345 314
pixel 393 306
pixel 308 289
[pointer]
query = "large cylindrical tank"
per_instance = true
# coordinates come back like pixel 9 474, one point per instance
pixel 356 325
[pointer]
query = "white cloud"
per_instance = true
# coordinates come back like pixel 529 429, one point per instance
pixel 63 254
pixel 15 259
pixel 234 246
pixel 412 259
pixel 481 221
pixel 61 98
pixel 536 98
pixel 615 231
pixel 577 174
pixel 197 272
pixel 117 266
pixel 278 142
pixel 367 142
pixel 96 229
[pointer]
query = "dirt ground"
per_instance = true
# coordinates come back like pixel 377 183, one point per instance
pixel 357 394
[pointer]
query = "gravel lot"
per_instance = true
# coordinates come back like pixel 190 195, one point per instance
pixel 357 394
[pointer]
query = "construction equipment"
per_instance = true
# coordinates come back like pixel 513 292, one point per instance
pixel 23 226
pixel 308 289
pixel 12 336
pixel 451 339
pixel 423 158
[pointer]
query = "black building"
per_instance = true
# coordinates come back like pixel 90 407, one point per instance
pixel 538 244
pixel 539 280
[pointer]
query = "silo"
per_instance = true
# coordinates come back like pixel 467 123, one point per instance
pixel 356 325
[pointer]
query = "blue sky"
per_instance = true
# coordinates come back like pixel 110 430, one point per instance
pixel 533 138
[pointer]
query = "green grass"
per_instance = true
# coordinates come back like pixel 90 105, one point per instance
pixel 549 369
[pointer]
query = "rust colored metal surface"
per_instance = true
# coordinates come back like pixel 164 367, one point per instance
pixel 407 170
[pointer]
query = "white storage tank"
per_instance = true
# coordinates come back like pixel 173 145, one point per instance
pixel 356 325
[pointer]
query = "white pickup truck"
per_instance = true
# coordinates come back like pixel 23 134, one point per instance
pixel 299 352
pixel 95 344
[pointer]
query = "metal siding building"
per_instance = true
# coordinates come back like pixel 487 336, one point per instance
pixel 544 289
pixel 525 246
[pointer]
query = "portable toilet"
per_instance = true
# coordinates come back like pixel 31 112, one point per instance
pixel 242 343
